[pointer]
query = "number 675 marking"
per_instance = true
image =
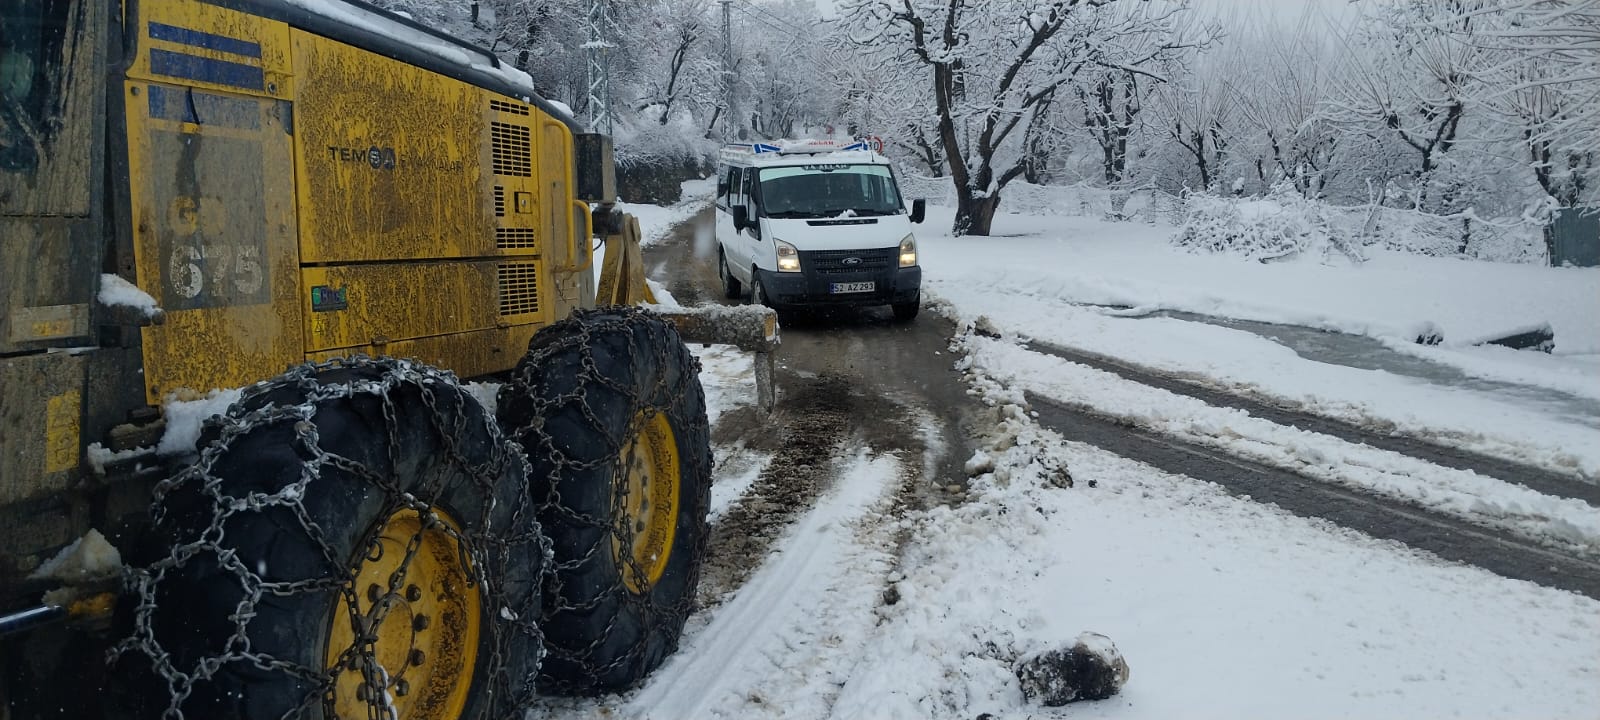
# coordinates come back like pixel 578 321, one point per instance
pixel 234 271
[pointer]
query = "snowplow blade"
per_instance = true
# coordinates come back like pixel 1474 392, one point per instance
pixel 751 328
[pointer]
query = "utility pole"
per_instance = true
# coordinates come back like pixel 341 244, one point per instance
pixel 597 50
pixel 732 127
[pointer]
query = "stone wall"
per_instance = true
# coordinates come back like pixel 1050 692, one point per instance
pixel 658 181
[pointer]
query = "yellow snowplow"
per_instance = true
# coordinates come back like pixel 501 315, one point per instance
pixel 198 194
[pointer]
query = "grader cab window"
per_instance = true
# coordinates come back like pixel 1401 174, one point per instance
pixel 32 33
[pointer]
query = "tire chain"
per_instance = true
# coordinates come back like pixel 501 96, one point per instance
pixel 580 338
pixel 490 548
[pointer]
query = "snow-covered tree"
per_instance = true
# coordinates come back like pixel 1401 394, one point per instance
pixel 1412 82
pixel 1198 112
pixel 992 68
pixel 676 39
pixel 1540 60
pixel 1112 97
pixel 1284 132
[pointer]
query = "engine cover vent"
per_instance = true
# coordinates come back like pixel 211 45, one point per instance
pixel 519 288
pixel 512 148
pixel 515 239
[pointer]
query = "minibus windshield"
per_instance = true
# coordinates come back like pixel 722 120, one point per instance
pixel 828 190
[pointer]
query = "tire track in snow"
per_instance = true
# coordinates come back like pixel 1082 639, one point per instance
pixel 1498 551
pixel 1533 478
pixel 788 639
pixel 808 429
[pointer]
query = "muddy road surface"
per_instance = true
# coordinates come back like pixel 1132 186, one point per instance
pixel 847 379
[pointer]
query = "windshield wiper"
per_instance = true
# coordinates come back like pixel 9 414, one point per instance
pixel 792 214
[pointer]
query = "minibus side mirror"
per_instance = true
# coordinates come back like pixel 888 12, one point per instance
pixel 919 210
pixel 741 217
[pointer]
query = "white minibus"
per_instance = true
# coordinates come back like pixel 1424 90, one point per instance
pixel 815 223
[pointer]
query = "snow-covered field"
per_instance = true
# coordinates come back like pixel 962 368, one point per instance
pixel 1224 608
pixel 1041 280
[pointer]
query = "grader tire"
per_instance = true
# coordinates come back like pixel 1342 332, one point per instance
pixel 609 410
pixel 370 494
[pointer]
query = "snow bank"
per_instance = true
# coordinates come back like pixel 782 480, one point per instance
pixel 656 222
pixel 1462 235
pixel 1034 278
pixel 1461 493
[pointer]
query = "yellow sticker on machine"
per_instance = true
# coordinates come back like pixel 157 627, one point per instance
pixel 61 432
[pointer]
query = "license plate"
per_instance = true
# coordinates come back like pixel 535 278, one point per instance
pixel 855 287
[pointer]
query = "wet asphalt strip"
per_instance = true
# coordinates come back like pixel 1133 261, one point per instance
pixel 1533 478
pixel 1455 540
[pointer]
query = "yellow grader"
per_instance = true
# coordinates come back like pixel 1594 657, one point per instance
pixel 196 195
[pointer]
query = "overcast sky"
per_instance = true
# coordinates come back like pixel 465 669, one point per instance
pixel 1279 10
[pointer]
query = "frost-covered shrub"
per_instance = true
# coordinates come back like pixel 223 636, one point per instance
pixel 1281 225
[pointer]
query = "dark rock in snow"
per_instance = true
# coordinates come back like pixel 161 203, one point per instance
pixel 1092 669
pixel 984 328
pixel 1537 337
pixel 1429 334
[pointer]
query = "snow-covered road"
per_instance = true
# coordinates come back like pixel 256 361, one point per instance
pixel 884 600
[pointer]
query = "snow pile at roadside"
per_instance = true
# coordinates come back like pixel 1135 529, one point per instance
pixel 1281 226
pixel 1457 492
pixel 1541 434
pixel 656 221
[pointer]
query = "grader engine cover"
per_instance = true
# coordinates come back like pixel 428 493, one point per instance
pixel 296 197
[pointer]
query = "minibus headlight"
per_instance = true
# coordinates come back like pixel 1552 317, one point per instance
pixel 788 257
pixel 908 251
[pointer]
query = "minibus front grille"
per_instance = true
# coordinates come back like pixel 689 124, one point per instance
pixel 841 262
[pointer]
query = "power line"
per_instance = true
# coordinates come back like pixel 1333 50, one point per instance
pixel 749 6
pixel 763 22
pixel 770 15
